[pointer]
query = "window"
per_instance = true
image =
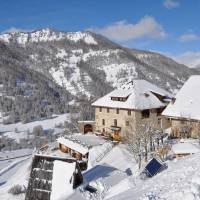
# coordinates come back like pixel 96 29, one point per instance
pixel 108 110
pixel 115 122
pixel 129 112
pixel 117 111
pixel 100 109
pixel 103 130
pixel 127 123
pixel 145 113
pixel 119 98
pixel 103 121
pixel 182 122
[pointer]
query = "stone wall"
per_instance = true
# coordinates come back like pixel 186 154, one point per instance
pixel 180 125
pixel 128 123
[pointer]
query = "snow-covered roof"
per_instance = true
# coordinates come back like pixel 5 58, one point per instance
pixel 87 122
pixel 121 93
pixel 187 101
pixel 62 185
pixel 73 145
pixel 184 148
pixel 140 95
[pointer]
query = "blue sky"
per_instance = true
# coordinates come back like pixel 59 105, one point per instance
pixel 168 26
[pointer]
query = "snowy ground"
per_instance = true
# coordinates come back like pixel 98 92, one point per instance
pixel 46 124
pixel 6 157
pixel 180 181
pixel 14 171
pixel 115 176
pixel 19 130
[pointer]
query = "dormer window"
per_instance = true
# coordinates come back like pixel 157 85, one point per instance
pixel 123 99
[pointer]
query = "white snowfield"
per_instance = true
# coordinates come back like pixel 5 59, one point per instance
pixel 187 101
pixel 46 124
pixel 139 93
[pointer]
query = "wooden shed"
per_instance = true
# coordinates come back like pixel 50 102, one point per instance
pixel 73 147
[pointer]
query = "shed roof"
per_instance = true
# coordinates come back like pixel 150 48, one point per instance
pixel 73 145
pixel 62 183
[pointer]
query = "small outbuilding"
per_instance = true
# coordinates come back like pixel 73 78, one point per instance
pixel 73 147
pixel 184 149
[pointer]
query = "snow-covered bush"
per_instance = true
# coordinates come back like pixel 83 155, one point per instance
pixel 16 189
pixel 38 130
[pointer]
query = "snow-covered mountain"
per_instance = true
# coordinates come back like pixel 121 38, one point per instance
pixel 88 63
pixel 25 94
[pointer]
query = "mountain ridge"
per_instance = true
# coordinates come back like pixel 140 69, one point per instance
pixel 89 64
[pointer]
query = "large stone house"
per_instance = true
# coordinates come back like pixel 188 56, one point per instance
pixel 120 112
pixel 184 109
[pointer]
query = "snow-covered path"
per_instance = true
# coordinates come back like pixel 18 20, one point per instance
pixel 9 171
pixel 13 171
pixel 18 174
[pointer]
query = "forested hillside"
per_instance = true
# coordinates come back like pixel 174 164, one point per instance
pixel 25 94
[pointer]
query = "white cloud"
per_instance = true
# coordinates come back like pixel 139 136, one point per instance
pixel 147 27
pixel 15 30
pixel 191 59
pixel 189 37
pixel 171 4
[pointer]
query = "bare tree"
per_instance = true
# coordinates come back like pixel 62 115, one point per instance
pixel 141 140
pixel 135 146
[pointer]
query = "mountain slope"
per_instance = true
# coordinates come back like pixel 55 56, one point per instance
pixel 88 63
pixel 25 94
